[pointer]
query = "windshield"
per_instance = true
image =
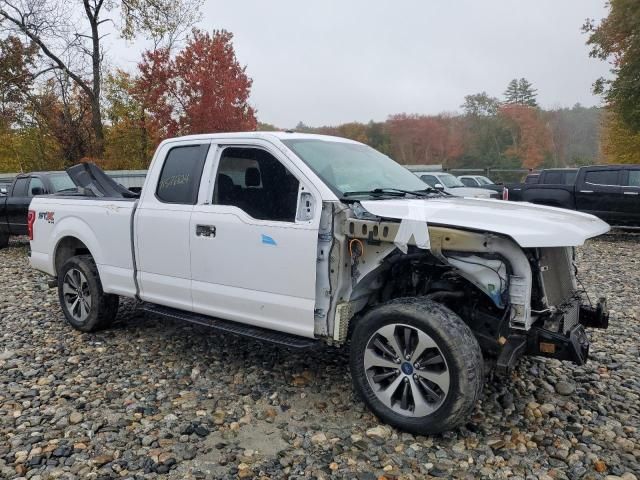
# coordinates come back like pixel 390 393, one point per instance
pixel 61 181
pixel 484 181
pixel 353 167
pixel 449 180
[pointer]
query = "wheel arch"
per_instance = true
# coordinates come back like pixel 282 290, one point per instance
pixel 72 236
pixel 67 247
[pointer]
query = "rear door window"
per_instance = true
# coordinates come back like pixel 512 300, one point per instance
pixel 181 173
pixel 602 177
pixel 555 178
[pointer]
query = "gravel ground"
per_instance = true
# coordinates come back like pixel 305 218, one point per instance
pixel 155 398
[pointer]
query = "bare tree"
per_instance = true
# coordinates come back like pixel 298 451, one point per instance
pixel 69 35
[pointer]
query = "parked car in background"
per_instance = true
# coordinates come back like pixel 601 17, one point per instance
pixel 611 192
pixel 480 181
pixel 14 205
pixel 302 239
pixel 448 183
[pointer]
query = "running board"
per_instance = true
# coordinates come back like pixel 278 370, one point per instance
pixel 257 333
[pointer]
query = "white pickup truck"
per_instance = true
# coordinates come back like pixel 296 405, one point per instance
pixel 303 240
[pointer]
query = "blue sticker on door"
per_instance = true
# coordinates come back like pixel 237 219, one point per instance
pixel 267 240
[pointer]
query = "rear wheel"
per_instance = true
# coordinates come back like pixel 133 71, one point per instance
pixel 4 239
pixel 416 365
pixel 85 305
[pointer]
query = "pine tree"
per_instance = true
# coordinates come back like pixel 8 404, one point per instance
pixel 520 92
pixel 512 94
pixel 527 93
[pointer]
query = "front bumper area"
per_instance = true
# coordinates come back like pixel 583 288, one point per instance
pixel 573 345
pixel 595 317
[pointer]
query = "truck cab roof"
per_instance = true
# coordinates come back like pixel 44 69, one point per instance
pixel 280 135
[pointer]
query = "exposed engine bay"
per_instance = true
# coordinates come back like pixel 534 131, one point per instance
pixel 516 301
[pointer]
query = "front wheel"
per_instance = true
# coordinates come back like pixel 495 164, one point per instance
pixel 4 239
pixel 416 365
pixel 85 305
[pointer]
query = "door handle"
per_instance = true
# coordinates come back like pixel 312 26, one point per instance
pixel 631 193
pixel 586 191
pixel 208 231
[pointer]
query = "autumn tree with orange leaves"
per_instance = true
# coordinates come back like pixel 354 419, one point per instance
pixel 421 139
pixel 531 138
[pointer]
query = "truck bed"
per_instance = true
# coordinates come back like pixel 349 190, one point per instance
pixel 105 226
pixel 554 195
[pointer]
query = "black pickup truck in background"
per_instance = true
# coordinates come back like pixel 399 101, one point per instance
pixel 610 192
pixel 549 176
pixel 14 205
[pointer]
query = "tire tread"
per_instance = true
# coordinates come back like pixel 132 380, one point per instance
pixel 466 346
pixel 107 305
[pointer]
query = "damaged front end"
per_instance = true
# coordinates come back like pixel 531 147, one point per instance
pixel 518 301
pixel 560 312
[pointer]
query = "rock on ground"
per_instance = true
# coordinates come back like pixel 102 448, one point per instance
pixel 155 398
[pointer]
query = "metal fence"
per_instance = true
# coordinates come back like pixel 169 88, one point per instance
pixel 126 178
pixel 135 178
pixel 498 175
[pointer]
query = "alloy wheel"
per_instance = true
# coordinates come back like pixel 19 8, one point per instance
pixel 406 370
pixel 77 297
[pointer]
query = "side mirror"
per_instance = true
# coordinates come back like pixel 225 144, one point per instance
pixel 37 191
pixel 3 191
pixel 439 186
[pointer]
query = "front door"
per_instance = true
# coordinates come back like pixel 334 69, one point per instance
pixel 253 257
pixel 18 206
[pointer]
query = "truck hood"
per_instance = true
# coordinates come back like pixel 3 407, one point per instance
pixel 528 224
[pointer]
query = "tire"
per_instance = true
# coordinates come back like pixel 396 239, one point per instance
pixel 78 279
pixel 433 389
pixel 4 240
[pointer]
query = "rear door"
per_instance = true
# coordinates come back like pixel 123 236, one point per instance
pixel 254 241
pixel 600 193
pixel 162 224
pixel 630 207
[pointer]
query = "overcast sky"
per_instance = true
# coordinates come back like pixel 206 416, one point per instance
pixel 329 62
